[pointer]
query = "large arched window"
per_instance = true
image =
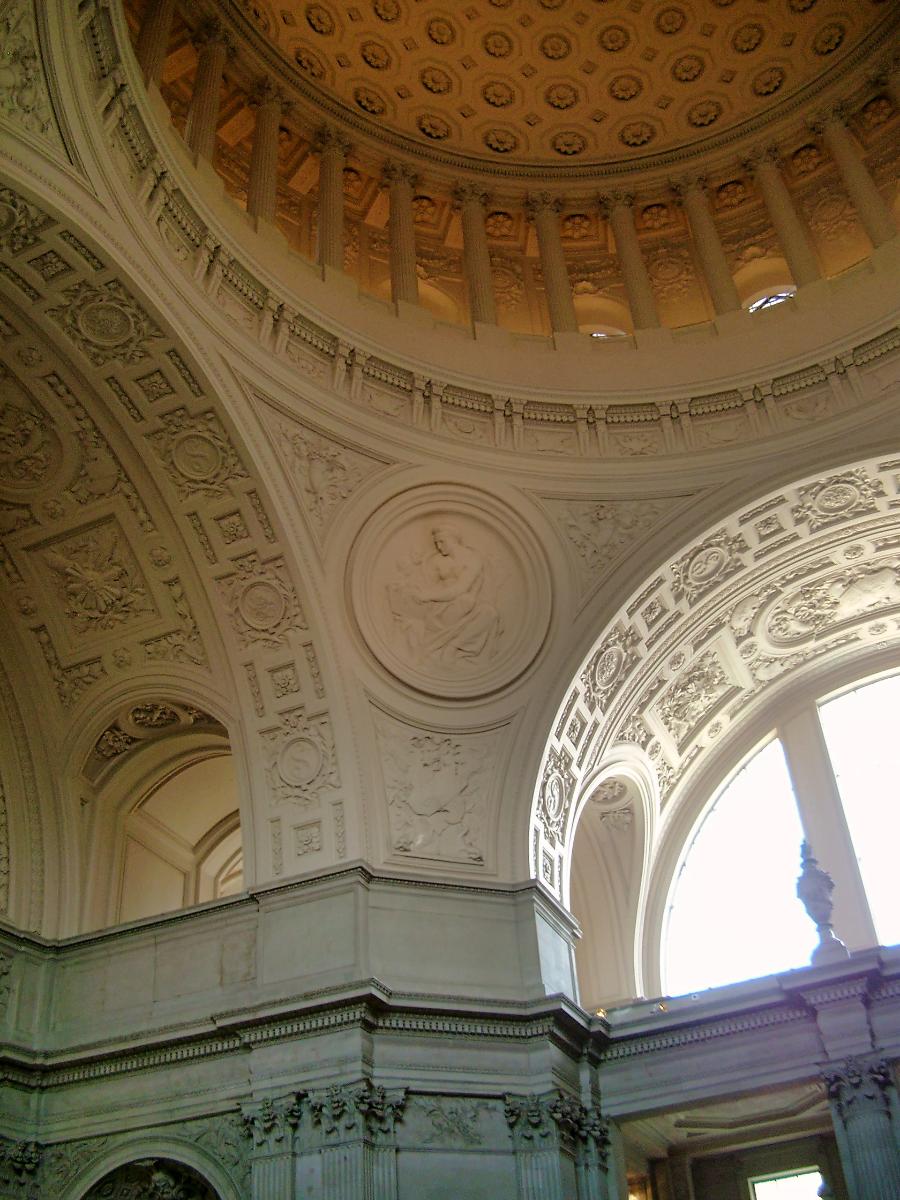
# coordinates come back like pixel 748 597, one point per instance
pixel 827 777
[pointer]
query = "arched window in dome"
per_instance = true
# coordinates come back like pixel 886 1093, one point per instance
pixel 733 913
pixel 770 298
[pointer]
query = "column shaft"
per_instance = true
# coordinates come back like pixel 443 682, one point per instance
pixel 861 1092
pixel 261 192
pixel 873 212
pixel 709 249
pixel 476 256
pixel 638 288
pixel 404 280
pixel 153 39
pixel 544 212
pixel 332 150
pixel 203 116
pixel 798 251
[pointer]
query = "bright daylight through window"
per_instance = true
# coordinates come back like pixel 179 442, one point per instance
pixel 802 1185
pixel 745 851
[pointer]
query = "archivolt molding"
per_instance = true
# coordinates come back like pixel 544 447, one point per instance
pixel 393 394
pixel 802 578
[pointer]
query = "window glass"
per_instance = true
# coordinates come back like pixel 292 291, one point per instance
pixel 802 1185
pixel 734 912
pixel 860 730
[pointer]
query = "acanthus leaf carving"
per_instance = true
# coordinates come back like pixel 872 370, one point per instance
pixel 106 323
pixel 270 1124
pixel 366 1109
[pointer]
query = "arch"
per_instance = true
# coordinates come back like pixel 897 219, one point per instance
pixel 154 1146
pixel 792 586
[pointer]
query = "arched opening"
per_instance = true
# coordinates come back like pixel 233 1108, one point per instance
pixel 166 817
pixel 182 842
pixel 743 712
pixel 156 1179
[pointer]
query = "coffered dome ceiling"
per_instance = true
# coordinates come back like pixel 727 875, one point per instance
pixel 562 81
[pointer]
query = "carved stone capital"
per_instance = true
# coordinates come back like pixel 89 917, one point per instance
pixel 364 1109
pixel 612 200
pixel 271 1123
pixel 327 137
pixel 265 91
pixel 469 193
pixel 211 32
pixel 684 185
pixel 555 1120
pixel 398 172
pixel 858 1086
pixel 20 1161
pixel 537 203
pixel 760 157
pixel 834 114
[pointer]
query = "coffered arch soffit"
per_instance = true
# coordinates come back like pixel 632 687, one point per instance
pixel 800 581
pixel 140 542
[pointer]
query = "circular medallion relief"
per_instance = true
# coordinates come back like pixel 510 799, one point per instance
pixel 299 762
pixel 196 456
pixel 450 591
pixel 261 605
pixel 105 323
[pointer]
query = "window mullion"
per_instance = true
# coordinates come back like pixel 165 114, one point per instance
pixel 822 815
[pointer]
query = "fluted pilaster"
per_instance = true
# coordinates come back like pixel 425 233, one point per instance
pixel 692 194
pixel 261 193
pixel 332 147
pixel 400 180
pixel 792 236
pixel 270 1125
pixel 620 211
pixel 873 212
pixel 471 200
pixel 868 1139
pixel 214 47
pixel 543 209
pixel 153 38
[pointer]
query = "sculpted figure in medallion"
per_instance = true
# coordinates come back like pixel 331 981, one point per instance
pixel 444 605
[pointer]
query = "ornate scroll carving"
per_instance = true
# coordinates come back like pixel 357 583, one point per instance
pixel 197 453
pixel 438 791
pixel 106 323
pixel 24 96
pixel 261 602
pixel 301 762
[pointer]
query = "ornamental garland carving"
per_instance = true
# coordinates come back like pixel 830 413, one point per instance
pixel 699 690
pixel 600 531
pixel 21 222
pixel 439 791
pixel 326 472
pixel 261 602
pixel 106 323
pixel 197 454
pixel 708 565
pixel 24 95
pixel 557 791
pixel 837 498
pixel 30 451
pixel 301 762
